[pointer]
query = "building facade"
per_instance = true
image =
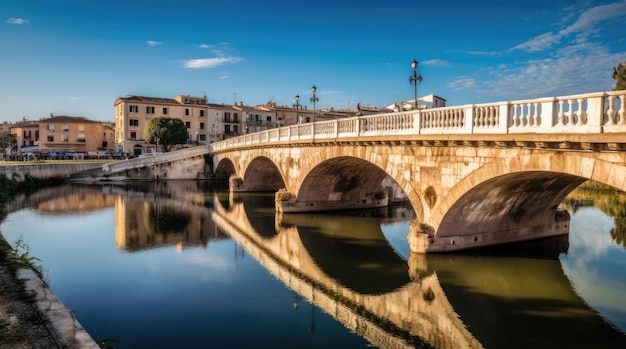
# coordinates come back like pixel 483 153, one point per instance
pixel 75 134
pixel 132 114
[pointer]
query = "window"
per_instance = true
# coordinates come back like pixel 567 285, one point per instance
pixel 236 129
pixel 164 111
pixel 201 113
pixel 188 124
pixel 66 128
pixel 202 125
pixel 133 108
pixel 133 135
pixel 81 138
pixel 227 117
pixel 50 127
pixel 81 128
pixel 269 119
pixel 227 129
pixel 149 110
pixel 64 138
pixel 186 111
pixel 202 138
pixel 133 122
pixel 50 138
pixel 235 117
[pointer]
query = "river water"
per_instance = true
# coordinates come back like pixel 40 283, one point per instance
pixel 145 265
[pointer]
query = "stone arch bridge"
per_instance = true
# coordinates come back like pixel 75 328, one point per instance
pixel 475 175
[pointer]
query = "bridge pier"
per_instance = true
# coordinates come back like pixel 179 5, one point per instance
pixel 422 240
pixel 287 202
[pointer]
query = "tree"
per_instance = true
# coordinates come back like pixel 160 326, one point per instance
pixel 619 74
pixel 168 132
pixel 7 140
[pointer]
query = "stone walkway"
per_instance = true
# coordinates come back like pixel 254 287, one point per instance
pixel 31 316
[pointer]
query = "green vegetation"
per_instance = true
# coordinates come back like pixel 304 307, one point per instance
pixel 7 140
pixel 9 187
pixel 25 260
pixel 167 131
pixel 619 74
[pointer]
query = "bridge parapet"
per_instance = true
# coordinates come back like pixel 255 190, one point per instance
pixel 592 113
pixel 155 159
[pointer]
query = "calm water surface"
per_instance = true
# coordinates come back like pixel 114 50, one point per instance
pixel 145 266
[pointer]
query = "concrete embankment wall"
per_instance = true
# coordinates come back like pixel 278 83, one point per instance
pixel 56 170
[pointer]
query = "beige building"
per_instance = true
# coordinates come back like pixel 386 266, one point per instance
pixel 75 134
pixel 132 114
pixel 26 134
pixel 225 122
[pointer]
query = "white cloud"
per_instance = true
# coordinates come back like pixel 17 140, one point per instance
pixel 17 21
pixel 479 53
pixel 582 27
pixel 152 43
pixel 462 84
pixel 538 43
pixel 202 63
pixel 219 49
pixel 436 63
pixel 580 68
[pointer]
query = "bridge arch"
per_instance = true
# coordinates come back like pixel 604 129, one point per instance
pixel 261 174
pixel 517 197
pixel 345 181
pixel 224 168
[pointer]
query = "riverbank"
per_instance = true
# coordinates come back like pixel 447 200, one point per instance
pixel 21 325
pixel 31 316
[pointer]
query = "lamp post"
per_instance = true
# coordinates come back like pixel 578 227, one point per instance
pixel 414 80
pixel 314 99
pixel 297 106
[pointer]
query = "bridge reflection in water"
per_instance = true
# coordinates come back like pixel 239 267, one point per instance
pixel 346 266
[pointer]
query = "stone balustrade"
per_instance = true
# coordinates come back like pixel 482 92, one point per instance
pixel 154 159
pixel 592 113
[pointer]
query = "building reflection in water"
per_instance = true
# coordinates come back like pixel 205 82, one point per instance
pixel 163 213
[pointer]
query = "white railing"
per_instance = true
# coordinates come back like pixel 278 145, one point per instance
pixel 154 159
pixel 602 112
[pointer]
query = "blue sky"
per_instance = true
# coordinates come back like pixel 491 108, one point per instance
pixel 75 57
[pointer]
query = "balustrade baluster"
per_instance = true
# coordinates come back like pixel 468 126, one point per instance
pixel 611 112
pixel 513 115
pixel 475 119
pixel 622 111
pixel 582 114
pixel 483 117
pixel 562 119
